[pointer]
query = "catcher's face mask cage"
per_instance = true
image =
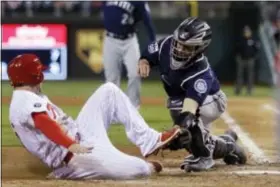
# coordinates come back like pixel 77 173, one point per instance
pixel 189 39
pixel 181 54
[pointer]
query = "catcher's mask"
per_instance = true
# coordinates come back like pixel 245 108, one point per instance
pixel 191 38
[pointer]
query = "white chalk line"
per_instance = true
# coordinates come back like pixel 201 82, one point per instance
pixel 269 107
pixel 256 172
pixel 177 172
pixel 255 152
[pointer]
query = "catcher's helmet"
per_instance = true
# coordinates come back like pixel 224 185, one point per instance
pixel 190 38
pixel 25 69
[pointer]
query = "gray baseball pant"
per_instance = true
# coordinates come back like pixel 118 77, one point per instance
pixel 117 52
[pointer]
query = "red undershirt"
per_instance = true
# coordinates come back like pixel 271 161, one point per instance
pixel 51 129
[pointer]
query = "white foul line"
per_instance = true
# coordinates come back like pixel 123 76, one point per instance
pixel 255 152
pixel 271 108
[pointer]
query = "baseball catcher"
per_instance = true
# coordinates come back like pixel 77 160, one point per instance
pixel 194 95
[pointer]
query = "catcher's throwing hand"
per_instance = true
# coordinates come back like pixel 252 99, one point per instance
pixel 144 68
pixel 79 149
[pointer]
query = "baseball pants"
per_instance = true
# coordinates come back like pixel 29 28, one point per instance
pixel 106 106
pixel 117 52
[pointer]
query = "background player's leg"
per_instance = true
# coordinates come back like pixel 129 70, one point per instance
pixel 131 57
pixel 112 60
pixel 251 75
pixel 239 75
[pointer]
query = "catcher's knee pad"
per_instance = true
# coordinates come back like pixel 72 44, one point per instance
pixel 229 150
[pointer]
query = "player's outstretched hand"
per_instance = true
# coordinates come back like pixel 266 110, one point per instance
pixel 79 149
pixel 144 68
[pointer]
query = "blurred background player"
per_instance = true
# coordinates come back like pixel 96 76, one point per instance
pixel 247 50
pixel 121 44
pixel 194 96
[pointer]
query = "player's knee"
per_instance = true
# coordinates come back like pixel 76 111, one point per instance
pixel 209 116
pixel 134 78
pixel 110 86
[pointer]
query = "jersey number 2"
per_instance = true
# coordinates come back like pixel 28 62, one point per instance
pixel 127 20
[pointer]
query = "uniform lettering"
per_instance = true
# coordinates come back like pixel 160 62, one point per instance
pixel 51 109
pixel 122 4
pixel 153 47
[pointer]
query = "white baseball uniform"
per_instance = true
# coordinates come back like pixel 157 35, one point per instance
pixel 106 106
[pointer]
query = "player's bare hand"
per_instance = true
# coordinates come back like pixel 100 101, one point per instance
pixel 144 68
pixel 79 149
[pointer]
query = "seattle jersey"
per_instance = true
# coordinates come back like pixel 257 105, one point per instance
pixel 23 104
pixel 121 17
pixel 195 81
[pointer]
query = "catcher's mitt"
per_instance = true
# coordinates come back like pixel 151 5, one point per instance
pixel 182 142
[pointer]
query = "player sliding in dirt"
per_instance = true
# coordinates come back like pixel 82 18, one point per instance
pixel 80 149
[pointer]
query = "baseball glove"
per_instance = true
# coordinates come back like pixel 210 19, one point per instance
pixel 182 142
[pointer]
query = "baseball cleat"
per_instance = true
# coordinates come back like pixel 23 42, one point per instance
pixel 197 164
pixel 232 134
pixel 156 167
pixel 237 154
pixel 165 138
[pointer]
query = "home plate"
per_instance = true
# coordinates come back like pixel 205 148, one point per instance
pixel 256 172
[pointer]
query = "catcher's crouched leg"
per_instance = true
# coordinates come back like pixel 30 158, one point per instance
pixel 174 114
pixel 199 135
pixel 183 141
pixel 227 148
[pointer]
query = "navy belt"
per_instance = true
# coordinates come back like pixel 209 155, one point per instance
pixel 118 36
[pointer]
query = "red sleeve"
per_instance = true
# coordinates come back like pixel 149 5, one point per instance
pixel 51 129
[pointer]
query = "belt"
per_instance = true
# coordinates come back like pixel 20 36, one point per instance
pixel 119 36
pixel 68 157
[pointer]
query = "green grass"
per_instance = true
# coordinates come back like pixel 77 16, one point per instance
pixel 159 121
pixel 86 88
pixel 156 116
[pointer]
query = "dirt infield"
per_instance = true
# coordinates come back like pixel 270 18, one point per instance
pixel 19 168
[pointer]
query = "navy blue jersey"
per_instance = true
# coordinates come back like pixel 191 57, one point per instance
pixel 195 81
pixel 121 17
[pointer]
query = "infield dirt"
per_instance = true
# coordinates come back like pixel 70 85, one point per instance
pixel 19 168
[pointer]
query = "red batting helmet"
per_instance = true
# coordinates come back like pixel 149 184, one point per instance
pixel 25 69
